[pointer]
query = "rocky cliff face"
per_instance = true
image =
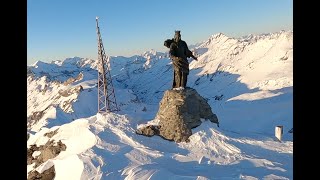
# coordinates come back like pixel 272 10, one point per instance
pixel 179 112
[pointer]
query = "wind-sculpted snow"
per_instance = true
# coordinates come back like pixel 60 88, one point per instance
pixel 118 153
pixel 247 81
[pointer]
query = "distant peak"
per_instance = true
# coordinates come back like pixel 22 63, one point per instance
pixel 72 60
pixel 152 51
pixel 75 58
pixel 38 63
pixel 218 35
pixel 255 37
pixel 214 38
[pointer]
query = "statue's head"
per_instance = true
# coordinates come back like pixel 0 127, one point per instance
pixel 177 36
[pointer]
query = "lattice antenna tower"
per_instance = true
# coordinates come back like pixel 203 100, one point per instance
pixel 106 96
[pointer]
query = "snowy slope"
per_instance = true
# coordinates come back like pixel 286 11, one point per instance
pixel 247 81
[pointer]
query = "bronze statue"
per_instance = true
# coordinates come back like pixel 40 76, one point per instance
pixel 179 52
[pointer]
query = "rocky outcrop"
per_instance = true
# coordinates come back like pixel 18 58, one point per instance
pixel 72 80
pixel 70 91
pixel 149 131
pixel 34 118
pixel 48 174
pixel 48 151
pixel 179 112
pixel 45 152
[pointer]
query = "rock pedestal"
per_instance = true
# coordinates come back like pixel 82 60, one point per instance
pixel 179 112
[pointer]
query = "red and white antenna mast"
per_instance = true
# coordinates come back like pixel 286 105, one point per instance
pixel 106 96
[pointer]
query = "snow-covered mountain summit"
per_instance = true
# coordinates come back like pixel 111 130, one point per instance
pixel 247 81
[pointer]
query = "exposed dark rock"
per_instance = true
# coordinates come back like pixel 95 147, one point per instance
pixel 144 109
pixel 148 131
pixel 52 133
pixel 218 98
pixel 47 151
pixel 71 80
pixel 48 174
pixel 179 112
pixel 68 92
pixel 30 151
pixel 36 116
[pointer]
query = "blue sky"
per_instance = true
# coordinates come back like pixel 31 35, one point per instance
pixel 58 29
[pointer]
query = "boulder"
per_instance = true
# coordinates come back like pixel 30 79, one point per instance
pixel 179 112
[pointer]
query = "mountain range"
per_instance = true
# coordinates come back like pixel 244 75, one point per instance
pixel 247 81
